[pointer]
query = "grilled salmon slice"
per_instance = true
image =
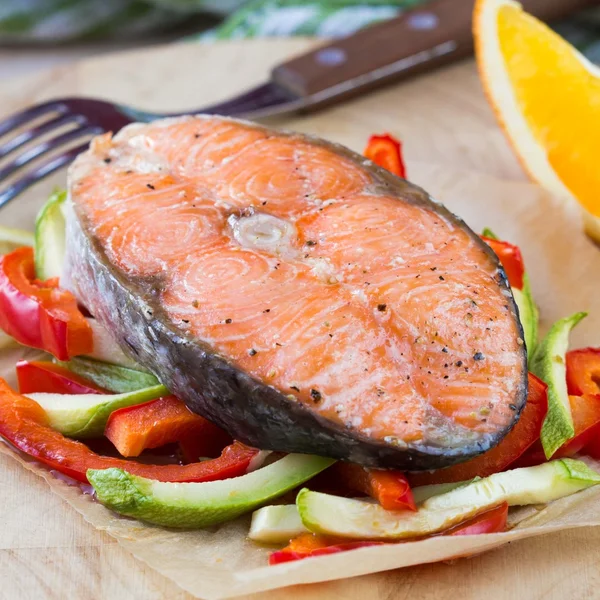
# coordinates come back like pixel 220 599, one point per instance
pixel 295 294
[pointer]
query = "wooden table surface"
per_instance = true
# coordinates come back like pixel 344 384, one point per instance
pixel 48 551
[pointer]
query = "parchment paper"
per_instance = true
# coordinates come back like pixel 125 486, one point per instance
pixel 220 563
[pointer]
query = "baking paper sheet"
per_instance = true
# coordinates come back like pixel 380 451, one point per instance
pixel 564 267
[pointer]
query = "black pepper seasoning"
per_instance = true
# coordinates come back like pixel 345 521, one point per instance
pixel 315 395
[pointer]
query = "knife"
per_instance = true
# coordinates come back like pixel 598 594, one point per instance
pixel 418 41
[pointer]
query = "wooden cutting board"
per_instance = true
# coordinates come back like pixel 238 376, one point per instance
pixel 48 551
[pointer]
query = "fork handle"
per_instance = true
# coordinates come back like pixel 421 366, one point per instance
pixel 419 40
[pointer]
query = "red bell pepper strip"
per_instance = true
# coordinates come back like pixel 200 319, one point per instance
pixel 40 314
pixel 386 151
pixel 583 371
pixel 523 435
pixel 24 424
pixel 308 545
pixel 490 521
pixel 44 376
pixel 164 421
pixel 592 448
pixel 390 488
pixel 135 428
pixel 586 422
pixel 511 258
pixel 583 379
pixel 535 455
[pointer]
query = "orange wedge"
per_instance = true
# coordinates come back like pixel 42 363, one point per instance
pixel 546 96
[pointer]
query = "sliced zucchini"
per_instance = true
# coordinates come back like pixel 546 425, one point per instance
pixel 280 523
pixel 85 415
pixel 196 505
pixel 276 524
pixel 528 310
pixel 549 365
pixel 343 517
pixel 50 237
pixel 110 377
pixel 424 492
pixel 528 314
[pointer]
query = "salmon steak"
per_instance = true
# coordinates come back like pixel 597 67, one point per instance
pixel 295 294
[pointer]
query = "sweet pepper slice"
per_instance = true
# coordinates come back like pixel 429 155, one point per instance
pixel 308 545
pixel 39 314
pixel 386 151
pixel 583 371
pixel 35 376
pixel 390 488
pixel 514 267
pixel 511 258
pixel 490 521
pixel 586 423
pixel 24 424
pixel 133 429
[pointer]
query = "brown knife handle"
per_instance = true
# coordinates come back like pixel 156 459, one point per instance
pixel 429 35
pixel 419 40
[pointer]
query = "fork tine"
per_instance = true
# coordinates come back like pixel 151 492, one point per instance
pixel 35 132
pixel 29 114
pixel 32 153
pixel 39 173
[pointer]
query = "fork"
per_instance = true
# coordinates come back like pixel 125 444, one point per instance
pixel 417 41
pixel 87 117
